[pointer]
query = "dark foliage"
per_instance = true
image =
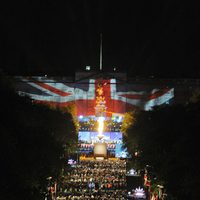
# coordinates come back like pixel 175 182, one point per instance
pixel 32 145
pixel 167 140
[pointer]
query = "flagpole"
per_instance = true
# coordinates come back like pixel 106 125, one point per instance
pixel 100 64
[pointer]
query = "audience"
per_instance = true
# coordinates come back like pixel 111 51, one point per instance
pixel 93 179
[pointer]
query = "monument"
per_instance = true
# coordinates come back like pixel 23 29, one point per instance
pixel 100 147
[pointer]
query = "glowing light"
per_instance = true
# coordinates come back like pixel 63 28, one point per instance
pixel 132 172
pixel 101 127
pixel 87 68
pixel 139 193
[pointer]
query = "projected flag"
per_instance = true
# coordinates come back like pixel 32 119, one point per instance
pixel 119 97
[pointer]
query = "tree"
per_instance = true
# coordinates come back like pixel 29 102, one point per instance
pixel 166 140
pixel 32 145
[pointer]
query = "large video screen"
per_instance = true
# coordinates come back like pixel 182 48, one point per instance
pixel 121 152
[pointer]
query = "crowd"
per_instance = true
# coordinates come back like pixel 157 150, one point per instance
pixel 93 179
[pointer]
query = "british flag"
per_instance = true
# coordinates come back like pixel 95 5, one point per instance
pixel 119 97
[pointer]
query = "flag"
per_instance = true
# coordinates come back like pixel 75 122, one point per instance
pixel 119 97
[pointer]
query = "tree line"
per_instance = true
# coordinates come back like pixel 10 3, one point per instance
pixel 35 141
pixel 165 140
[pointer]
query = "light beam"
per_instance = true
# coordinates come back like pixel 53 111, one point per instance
pixel 100 127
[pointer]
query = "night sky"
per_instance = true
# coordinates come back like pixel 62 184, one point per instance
pixel 159 39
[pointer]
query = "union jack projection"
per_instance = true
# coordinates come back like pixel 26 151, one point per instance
pixel 119 97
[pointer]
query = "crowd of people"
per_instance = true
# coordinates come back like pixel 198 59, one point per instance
pixel 93 179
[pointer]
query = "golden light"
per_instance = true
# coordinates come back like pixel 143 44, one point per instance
pixel 100 127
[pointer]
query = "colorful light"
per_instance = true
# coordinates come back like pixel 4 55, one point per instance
pixel 139 193
pixel 100 127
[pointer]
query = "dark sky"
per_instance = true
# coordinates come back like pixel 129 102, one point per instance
pixel 143 38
